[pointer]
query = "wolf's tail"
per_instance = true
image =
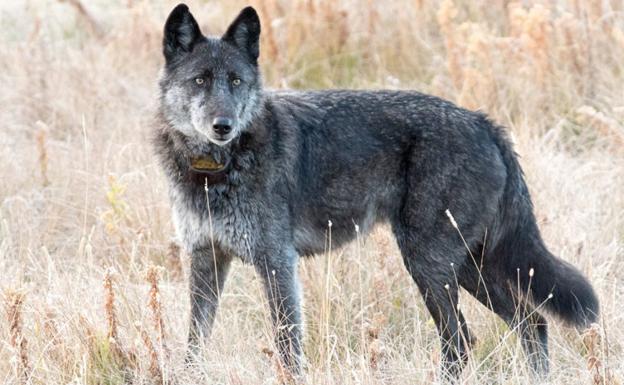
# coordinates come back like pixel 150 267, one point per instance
pixel 522 257
pixel 561 287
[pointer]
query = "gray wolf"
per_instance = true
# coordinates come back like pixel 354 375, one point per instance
pixel 257 175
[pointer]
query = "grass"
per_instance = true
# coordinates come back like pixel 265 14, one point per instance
pixel 82 198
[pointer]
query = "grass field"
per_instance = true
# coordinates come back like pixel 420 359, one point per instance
pixel 93 288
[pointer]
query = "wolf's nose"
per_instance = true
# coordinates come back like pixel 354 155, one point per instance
pixel 222 126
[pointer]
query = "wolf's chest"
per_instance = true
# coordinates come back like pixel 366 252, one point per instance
pixel 231 224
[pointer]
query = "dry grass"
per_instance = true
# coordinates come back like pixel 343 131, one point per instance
pixel 81 192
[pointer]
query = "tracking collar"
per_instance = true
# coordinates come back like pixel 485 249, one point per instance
pixel 208 169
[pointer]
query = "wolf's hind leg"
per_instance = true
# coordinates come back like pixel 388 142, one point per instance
pixel 207 277
pixel 518 314
pixel 433 273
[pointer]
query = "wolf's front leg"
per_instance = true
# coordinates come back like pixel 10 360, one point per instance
pixel 279 274
pixel 207 276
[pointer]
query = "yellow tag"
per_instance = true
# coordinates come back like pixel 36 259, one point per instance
pixel 206 163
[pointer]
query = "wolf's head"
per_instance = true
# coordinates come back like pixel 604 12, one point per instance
pixel 210 87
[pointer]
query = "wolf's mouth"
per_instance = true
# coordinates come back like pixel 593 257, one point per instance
pixel 222 140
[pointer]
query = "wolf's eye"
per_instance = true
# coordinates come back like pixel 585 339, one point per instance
pixel 199 81
pixel 236 82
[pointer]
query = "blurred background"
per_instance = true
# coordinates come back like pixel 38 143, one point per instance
pixel 93 284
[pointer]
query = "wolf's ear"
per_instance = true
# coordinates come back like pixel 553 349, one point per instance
pixel 244 33
pixel 181 33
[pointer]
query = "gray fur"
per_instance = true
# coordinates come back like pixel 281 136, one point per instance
pixel 301 159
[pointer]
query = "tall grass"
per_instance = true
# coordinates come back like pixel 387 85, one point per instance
pixel 82 196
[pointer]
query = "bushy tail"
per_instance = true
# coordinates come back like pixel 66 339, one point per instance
pixel 552 283
pixel 524 259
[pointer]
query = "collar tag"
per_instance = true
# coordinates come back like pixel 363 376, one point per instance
pixel 207 164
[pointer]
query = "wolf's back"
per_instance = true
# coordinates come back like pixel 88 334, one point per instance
pixel 520 254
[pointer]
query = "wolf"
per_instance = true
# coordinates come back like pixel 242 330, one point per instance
pixel 259 175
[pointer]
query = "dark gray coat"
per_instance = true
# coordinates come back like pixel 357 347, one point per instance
pixel 298 162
